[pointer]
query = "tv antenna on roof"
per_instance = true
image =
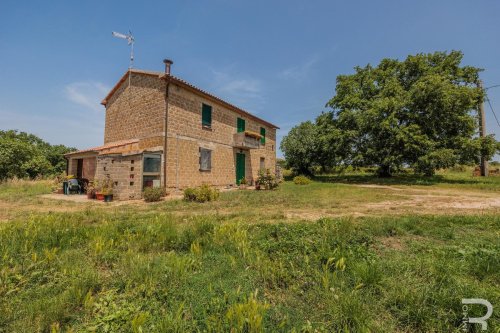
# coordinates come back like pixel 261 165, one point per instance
pixel 130 41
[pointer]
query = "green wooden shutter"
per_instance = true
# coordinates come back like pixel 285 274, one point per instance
pixel 206 115
pixel 263 134
pixel 240 125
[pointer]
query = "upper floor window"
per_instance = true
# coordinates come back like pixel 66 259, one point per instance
pixel 205 159
pixel 263 135
pixel 206 116
pixel 240 125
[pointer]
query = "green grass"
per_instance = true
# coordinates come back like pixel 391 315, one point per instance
pixel 237 264
pixel 443 178
pixel 121 272
pixel 23 190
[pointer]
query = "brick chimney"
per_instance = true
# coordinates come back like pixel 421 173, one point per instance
pixel 167 63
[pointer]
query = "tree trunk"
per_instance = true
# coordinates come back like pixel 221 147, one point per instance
pixel 384 171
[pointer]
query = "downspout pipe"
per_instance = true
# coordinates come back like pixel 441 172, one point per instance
pixel 167 63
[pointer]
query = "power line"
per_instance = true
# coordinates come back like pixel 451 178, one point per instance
pixel 494 114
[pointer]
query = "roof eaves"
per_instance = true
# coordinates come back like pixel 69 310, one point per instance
pixel 217 99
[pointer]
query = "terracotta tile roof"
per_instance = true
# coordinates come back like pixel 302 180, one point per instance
pixel 106 146
pixel 185 84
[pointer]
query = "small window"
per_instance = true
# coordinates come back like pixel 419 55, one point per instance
pixel 131 183
pixel 152 163
pixel 240 124
pixel 262 163
pixel 205 159
pixel 151 170
pixel 263 135
pixel 206 116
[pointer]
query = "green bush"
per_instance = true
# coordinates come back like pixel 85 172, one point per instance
pixel 301 180
pixel 266 180
pixel 203 193
pixel 153 194
pixel 287 174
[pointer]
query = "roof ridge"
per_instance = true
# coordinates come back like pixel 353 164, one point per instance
pixel 163 75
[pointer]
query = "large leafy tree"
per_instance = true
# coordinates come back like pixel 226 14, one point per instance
pixel 26 155
pixel 419 112
pixel 300 147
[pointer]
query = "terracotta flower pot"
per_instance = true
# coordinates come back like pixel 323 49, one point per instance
pixel 99 196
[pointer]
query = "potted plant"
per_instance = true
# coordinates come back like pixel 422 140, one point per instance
pixel 107 190
pixel 243 183
pixel 98 187
pixel 257 184
pixel 90 190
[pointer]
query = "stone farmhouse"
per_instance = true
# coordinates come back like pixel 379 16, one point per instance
pixel 162 131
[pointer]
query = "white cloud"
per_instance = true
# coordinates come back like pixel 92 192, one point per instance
pixel 299 72
pixel 242 91
pixel 87 94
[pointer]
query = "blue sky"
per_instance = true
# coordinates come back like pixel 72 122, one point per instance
pixel 276 59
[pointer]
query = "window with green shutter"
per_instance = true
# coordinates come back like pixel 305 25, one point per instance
pixel 206 116
pixel 263 135
pixel 240 124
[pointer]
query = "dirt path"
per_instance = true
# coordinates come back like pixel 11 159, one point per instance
pixel 404 200
pixel 414 201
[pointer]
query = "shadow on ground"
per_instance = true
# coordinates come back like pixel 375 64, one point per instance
pixel 394 180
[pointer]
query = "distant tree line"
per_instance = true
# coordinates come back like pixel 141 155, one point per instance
pixel 419 113
pixel 25 155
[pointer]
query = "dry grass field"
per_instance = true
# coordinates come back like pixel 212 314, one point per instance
pixel 349 253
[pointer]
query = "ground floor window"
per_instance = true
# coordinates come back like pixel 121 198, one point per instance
pixel 205 159
pixel 262 163
pixel 151 170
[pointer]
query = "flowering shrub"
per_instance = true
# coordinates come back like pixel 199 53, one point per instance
pixel 266 180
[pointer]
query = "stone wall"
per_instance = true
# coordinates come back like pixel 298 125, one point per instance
pixel 137 111
pixel 186 136
pixel 126 173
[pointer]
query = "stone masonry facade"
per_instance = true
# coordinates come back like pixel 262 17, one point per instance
pixel 143 118
pixel 186 135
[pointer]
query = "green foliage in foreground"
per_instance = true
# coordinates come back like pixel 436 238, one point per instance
pixel 25 155
pixel 202 193
pixel 127 272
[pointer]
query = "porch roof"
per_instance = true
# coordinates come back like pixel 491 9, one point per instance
pixel 112 147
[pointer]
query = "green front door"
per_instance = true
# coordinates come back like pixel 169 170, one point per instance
pixel 240 167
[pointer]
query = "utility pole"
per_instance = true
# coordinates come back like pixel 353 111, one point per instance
pixel 482 132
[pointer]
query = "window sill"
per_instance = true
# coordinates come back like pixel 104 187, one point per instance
pixel 207 170
pixel 206 128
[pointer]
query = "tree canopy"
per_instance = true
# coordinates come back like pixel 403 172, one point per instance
pixel 25 155
pixel 420 112
pixel 300 147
